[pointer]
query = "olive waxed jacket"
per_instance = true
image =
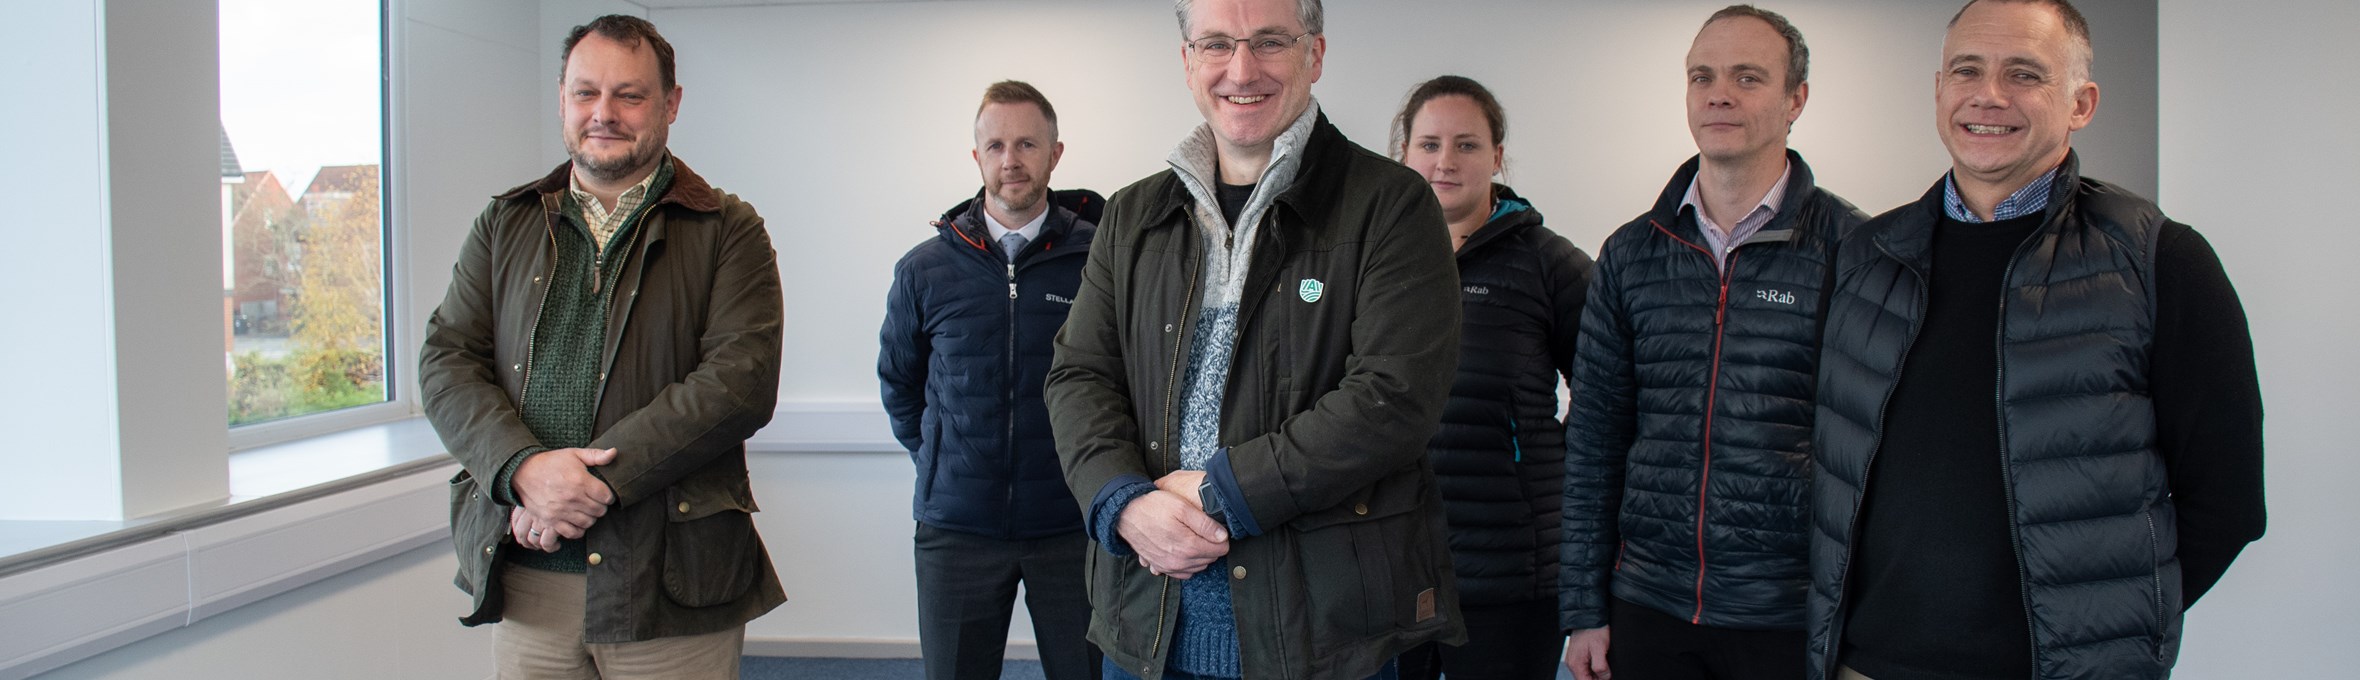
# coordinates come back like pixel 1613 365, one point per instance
pixel 689 370
pixel 1347 342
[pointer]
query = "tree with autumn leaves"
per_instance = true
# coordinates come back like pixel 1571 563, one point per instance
pixel 337 310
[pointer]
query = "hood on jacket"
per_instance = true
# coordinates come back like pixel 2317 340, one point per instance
pixel 1513 214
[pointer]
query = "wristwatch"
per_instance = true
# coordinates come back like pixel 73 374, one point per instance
pixel 1211 497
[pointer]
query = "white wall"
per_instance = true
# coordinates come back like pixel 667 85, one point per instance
pixel 2256 137
pixel 118 425
pixel 396 619
pixel 59 336
pixel 849 124
pixel 838 526
pixel 468 124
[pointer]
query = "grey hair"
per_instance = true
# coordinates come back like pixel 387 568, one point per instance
pixel 2083 55
pixel 1313 17
pixel 1798 55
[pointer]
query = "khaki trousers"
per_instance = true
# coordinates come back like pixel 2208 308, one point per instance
pixel 539 637
pixel 1846 673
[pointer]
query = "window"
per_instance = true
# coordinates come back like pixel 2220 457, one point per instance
pixel 302 220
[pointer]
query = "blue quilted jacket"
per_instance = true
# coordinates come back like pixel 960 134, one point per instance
pixel 1688 441
pixel 963 355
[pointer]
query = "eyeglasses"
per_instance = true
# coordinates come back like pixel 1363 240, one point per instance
pixel 1218 49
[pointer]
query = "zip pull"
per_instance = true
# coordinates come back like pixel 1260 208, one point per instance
pixel 1011 280
pixel 1515 440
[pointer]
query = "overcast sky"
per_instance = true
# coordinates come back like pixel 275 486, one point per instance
pixel 299 85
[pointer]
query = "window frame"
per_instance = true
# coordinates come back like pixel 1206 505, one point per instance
pixel 400 353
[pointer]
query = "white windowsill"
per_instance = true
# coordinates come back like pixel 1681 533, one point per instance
pixel 300 511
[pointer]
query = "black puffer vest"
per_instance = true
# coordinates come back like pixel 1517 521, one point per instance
pixel 1499 457
pixel 2090 502
pixel 1689 439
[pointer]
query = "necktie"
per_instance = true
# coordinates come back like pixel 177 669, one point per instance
pixel 1012 244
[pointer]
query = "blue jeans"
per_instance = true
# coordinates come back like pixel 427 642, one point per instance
pixel 1114 672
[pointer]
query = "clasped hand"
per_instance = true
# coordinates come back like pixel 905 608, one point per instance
pixel 1169 529
pixel 558 497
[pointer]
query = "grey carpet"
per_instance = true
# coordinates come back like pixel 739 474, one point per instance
pixel 786 668
pixel 801 668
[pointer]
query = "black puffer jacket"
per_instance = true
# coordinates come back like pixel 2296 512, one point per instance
pixel 963 352
pixel 2089 496
pixel 1499 458
pixel 1676 355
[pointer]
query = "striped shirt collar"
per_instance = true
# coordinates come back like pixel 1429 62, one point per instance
pixel 1745 228
pixel 2031 199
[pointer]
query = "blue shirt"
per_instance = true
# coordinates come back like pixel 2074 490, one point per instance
pixel 2032 198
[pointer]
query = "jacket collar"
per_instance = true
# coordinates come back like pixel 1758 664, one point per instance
pixel 963 223
pixel 688 190
pixel 1801 189
pixel 1514 214
pixel 1910 238
pixel 1315 182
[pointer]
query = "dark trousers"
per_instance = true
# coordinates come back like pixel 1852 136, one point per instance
pixel 1645 644
pixel 1517 641
pixel 967 590
pixel 1389 671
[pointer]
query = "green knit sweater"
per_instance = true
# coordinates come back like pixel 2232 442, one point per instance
pixel 560 403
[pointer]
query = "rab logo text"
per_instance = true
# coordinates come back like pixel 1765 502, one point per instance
pixel 1775 297
pixel 1310 290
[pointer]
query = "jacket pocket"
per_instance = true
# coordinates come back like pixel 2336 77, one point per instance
pixel 478 527
pixel 930 459
pixel 709 542
pixel 1365 562
pixel 1123 609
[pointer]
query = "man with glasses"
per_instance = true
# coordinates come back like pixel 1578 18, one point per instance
pixel 1262 345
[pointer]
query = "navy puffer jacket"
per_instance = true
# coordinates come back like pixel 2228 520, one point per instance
pixel 1688 443
pixel 964 353
pixel 1499 457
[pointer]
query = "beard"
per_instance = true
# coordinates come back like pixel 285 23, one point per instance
pixel 645 151
pixel 1020 202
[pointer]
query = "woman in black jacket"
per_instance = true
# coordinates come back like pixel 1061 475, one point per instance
pixel 1499 457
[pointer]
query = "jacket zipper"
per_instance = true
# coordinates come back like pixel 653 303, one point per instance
pixel 606 361
pixel 2007 468
pixel 525 381
pixel 1711 396
pixel 1875 444
pixel 1008 519
pixel 1171 381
